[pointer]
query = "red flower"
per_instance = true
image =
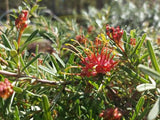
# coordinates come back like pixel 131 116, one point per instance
pixel 133 41
pixel 81 39
pixel 114 34
pixel 6 89
pixel 111 114
pixel 96 63
pixel 22 21
pixel 90 29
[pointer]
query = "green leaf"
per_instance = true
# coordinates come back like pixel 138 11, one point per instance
pixel 143 56
pixel 37 70
pixel 23 64
pixel 133 33
pixel 46 108
pixel 47 36
pixel 14 55
pixel 134 74
pixel 32 94
pixel 144 87
pixel 34 8
pixel 25 45
pixel 31 36
pixel 47 70
pixel 153 56
pixel 145 111
pixel 138 45
pixel 6 42
pixel 138 108
pixel 30 62
pixel 3 47
pixel 59 59
pixel 136 48
pixel 17 89
pixel 154 111
pixel 15 44
pixel 11 64
pixel 125 41
pixel 71 59
pixel 55 64
pixel 30 40
pixel 16 114
pixel 139 60
pixel 149 71
pixel 141 43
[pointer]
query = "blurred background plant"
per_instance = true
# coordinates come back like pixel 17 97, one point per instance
pixel 60 68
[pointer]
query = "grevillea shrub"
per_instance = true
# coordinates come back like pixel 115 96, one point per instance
pixel 92 71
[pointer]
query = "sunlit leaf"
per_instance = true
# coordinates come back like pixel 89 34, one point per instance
pixel 47 70
pixel 59 59
pixel 138 108
pixel 6 42
pixel 154 111
pixel 30 62
pixel 16 114
pixel 143 87
pixel 46 108
pixel 153 56
pixel 149 71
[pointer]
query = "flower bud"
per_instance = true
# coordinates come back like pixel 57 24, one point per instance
pixel 6 89
pixel 22 21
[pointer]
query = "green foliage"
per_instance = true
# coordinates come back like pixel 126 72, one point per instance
pixel 46 107
pixel 45 70
pixel 138 108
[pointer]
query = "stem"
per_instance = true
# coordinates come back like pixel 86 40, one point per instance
pixel 19 39
pixel 3 61
pixel 19 64
pixel 121 48
pixel 123 52
pixel 10 74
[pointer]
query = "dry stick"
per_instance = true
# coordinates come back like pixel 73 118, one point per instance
pixel 3 61
pixel 55 82
pixel 10 74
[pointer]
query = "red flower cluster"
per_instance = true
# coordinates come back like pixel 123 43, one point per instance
pixel 97 62
pixel 22 21
pixel 114 34
pixel 6 89
pixel 111 114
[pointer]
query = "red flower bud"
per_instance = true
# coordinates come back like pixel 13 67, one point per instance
pixel 111 114
pixel 90 29
pixel 5 89
pixel 114 34
pixel 22 21
pixel 81 39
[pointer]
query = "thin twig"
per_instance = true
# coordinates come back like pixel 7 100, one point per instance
pixel 10 74
pixel 55 82
pixel 44 81
pixel 3 61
